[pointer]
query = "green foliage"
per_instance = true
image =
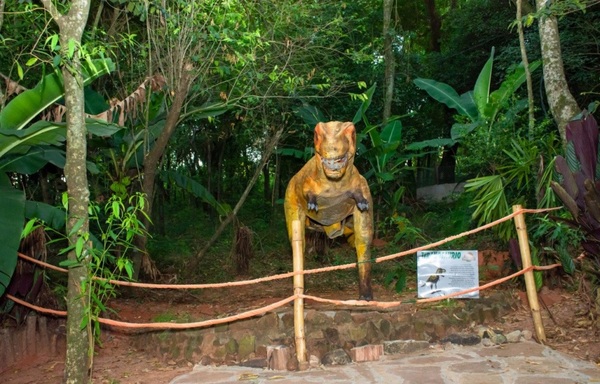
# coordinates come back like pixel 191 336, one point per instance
pixel 486 113
pixel 514 182
pixel 397 278
pixel 26 150
pixel 405 232
pixel 480 107
pixel 557 239
pixel 106 250
pixel 196 189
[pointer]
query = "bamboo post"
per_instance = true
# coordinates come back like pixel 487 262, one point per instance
pixel 532 296
pixel 298 255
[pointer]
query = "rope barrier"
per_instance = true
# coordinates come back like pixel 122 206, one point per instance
pixel 270 307
pixel 305 272
pixel 166 325
pixel 281 303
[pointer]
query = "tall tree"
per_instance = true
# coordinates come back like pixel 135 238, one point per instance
pixel 389 34
pixel 562 103
pixel 78 361
pixel 525 60
pixel 180 54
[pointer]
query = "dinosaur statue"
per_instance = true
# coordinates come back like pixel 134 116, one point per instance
pixel 329 194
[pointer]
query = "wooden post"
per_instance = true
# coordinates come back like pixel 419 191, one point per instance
pixel 532 296
pixel 298 254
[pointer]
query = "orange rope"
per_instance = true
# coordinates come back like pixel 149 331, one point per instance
pixel 35 307
pixel 260 311
pixel 305 272
pixel 164 325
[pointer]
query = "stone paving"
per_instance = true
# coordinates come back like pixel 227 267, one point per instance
pixel 525 362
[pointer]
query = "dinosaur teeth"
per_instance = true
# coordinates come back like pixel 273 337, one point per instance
pixel 336 163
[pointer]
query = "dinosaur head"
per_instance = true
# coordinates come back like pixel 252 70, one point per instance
pixel 335 146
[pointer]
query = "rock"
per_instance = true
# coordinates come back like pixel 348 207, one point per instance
pixel 462 339
pixel 369 352
pixel 231 347
pixel 527 334
pixel 246 346
pixel 254 363
pixel 494 335
pixel 336 357
pixel 403 346
pixel 342 317
pixel 332 336
pixel 513 337
pixel 314 361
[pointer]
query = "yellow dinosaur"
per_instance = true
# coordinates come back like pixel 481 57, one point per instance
pixel 329 194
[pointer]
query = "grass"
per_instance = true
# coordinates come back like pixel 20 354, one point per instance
pixel 169 317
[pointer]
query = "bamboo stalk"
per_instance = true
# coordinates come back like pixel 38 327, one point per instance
pixel 532 296
pixel 297 251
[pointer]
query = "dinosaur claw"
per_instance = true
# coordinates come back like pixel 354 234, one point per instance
pixel 363 205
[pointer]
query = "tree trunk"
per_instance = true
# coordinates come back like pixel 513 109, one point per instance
pixel 78 362
pixel 526 66
pixel 562 103
pixel 266 183
pixel 390 63
pixel 151 161
pixel 276 181
pixel 435 26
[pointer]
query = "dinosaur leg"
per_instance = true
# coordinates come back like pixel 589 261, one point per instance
pixel 363 235
pixel 294 212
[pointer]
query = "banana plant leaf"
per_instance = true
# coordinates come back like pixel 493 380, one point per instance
pixel 360 113
pixel 445 94
pixel 52 216
pixel 481 91
pixel 310 114
pixel 499 98
pixel 12 205
pixel 27 105
pixel 194 188
pixel 29 149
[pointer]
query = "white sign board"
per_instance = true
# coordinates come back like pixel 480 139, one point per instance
pixel 443 272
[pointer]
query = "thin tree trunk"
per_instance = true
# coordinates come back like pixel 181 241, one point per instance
pixel 266 182
pixel 562 103
pixel 78 362
pixel 2 6
pixel 526 66
pixel 265 158
pixel 276 180
pixel 151 161
pixel 390 63
pixel 219 179
pixel 435 26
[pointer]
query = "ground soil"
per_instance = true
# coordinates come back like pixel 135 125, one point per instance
pixel 568 326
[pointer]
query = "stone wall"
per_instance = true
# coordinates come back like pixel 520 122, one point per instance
pixel 246 341
pixel 39 335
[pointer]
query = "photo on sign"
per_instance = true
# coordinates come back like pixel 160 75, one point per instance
pixel 440 273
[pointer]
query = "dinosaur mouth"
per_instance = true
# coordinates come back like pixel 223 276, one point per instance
pixel 335 164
